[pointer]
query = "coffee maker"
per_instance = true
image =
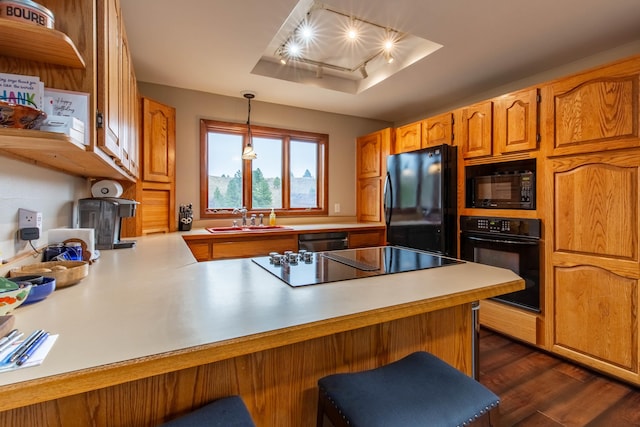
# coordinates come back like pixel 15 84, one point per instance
pixel 104 215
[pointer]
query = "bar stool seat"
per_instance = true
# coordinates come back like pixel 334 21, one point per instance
pixel 226 412
pixel 418 390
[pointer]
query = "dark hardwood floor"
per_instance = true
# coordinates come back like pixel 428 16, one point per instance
pixel 537 389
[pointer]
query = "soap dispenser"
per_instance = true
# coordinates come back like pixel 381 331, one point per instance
pixel 272 217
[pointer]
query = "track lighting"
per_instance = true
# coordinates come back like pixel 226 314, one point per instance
pixel 248 153
pixel 303 48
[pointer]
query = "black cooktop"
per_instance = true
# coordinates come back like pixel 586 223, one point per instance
pixel 333 266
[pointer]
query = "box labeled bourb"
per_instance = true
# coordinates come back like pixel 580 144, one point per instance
pixel 26 11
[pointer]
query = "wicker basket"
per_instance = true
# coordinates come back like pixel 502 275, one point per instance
pixel 66 273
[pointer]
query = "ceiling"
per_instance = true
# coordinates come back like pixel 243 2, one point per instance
pixel 213 46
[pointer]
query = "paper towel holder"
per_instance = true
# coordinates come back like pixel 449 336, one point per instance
pixel 106 188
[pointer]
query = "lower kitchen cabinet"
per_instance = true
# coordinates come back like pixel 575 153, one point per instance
pixel 596 318
pixel 241 247
pixel 245 245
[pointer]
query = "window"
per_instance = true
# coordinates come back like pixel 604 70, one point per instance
pixel 289 175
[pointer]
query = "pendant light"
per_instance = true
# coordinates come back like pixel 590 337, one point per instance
pixel 248 153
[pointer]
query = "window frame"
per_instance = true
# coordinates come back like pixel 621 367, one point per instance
pixel 322 167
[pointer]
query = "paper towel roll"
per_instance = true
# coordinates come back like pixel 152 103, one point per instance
pixel 106 188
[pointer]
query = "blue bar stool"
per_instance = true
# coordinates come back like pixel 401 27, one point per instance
pixel 418 390
pixel 226 412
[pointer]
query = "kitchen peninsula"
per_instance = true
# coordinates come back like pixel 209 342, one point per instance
pixel 151 334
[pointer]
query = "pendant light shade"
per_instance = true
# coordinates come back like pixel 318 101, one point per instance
pixel 247 152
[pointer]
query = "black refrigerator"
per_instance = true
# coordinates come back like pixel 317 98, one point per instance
pixel 420 199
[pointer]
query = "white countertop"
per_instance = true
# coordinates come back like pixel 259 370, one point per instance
pixel 155 299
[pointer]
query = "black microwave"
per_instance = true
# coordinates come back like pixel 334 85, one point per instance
pixel 507 190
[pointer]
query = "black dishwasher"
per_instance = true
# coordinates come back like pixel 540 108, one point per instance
pixel 319 242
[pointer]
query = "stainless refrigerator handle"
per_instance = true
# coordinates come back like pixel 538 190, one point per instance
pixel 387 185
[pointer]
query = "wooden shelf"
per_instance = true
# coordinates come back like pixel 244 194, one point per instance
pixel 58 151
pixel 36 43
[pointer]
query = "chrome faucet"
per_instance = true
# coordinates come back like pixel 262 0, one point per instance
pixel 243 212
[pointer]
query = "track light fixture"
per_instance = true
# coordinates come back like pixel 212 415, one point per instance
pixel 248 153
pixel 304 44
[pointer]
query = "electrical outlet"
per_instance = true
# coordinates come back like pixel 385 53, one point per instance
pixel 336 208
pixel 29 219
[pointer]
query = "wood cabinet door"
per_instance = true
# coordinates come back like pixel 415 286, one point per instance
pixel 593 265
pixel 474 127
pixel 158 141
pixel 593 111
pixel 127 143
pixel 371 152
pixel 437 130
pixel 109 76
pixel 515 122
pixel 408 138
pixel 369 200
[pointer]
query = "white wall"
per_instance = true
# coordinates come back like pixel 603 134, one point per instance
pixel 23 185
pixel 191 106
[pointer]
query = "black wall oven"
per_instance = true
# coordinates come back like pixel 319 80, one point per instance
pixel 512 243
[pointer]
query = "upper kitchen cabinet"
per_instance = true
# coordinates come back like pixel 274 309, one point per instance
pixel 408 138
pixel 437 130
pixel 515 122
pixel 371 170
pixel 116 86
pixel 474 129
pixel 593 111
pixel 371 152
pixel 72 58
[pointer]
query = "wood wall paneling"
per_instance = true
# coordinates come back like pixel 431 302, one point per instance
pixel 278 385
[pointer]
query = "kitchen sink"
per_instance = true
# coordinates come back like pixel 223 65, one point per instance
pixel 248 228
